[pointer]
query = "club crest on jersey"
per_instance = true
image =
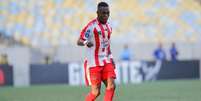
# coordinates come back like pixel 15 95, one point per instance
pixel 99 32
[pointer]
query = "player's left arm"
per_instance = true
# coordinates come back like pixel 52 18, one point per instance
pixel 111 56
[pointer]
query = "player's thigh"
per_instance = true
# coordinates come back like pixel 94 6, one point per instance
pixel 95 76
pixel 109 83
pixel 108 72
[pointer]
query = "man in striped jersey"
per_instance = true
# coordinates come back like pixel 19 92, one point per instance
pixel 99 65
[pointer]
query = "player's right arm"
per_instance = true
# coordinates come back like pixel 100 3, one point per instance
pixel 85 36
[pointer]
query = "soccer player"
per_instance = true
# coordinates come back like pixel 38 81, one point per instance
pixel 99 65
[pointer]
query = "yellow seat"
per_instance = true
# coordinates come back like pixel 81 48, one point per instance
pixel 129 18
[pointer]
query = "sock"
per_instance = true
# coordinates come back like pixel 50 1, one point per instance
pixel 109 93
pixel 90 97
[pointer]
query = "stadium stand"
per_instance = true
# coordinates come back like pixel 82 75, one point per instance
pixel 52 23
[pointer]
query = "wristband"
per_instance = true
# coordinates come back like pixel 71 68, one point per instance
pixel 85 42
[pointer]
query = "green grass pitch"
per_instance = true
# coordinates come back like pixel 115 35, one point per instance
pixel 181 90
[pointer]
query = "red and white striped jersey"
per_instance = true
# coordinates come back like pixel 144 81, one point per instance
pixel 99 34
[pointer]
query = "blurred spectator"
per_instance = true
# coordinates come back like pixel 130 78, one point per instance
pixel 47 59
pixel 199 1
pixel 159 53
pixel 173 52
pixel 1 37
pixel 125 54
pixel 3 59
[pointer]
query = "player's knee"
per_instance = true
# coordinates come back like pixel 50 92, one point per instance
pixel 111 86
pixel 96 92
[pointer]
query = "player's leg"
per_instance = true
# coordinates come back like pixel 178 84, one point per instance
pixel 110 89
pixel 108 79
pixel 109 83
pixel 94 93
pixel 95 82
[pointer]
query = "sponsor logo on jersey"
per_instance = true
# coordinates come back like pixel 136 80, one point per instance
pixel 87 33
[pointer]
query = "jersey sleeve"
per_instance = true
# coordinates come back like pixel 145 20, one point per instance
pixel 86 33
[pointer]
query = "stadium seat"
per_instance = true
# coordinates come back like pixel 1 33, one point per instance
pixel 145 20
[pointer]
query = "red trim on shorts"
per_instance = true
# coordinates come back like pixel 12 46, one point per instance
pixel 97 42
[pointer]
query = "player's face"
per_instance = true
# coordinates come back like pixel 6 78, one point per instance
pixel 103 14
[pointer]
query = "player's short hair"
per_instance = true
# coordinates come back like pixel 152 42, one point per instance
pixel 102 4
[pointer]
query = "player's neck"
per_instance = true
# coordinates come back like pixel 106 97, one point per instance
pixel 101 22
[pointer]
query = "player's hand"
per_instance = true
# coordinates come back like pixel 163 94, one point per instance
pixel 89 44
